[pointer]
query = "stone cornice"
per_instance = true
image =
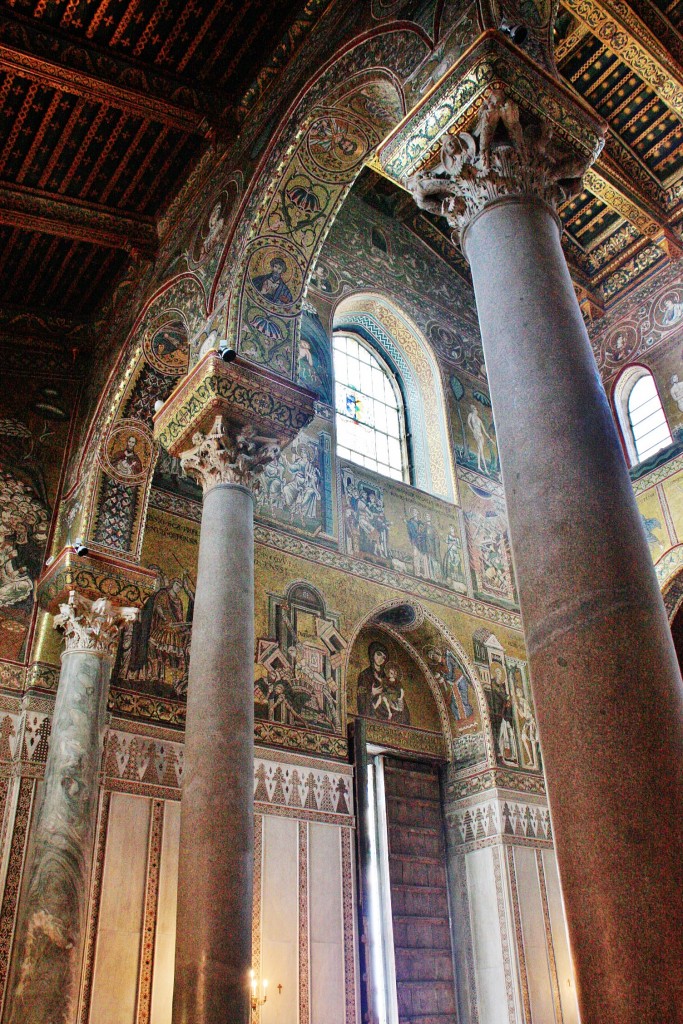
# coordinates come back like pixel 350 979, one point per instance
pixel 240 392
pixel 454 105
pixel 94 577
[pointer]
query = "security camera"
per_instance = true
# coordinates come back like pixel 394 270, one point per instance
pixel 227 354
pixel 517 33
pixel 80 548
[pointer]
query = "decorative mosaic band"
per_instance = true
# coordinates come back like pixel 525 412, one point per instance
pixel 484 822
pixel 94 577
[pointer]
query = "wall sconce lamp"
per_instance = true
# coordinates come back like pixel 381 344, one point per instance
pixel 259 991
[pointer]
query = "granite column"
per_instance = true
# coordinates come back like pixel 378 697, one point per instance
pixel 213 939
pixel 225 423
pixel 605 678
pixel 52 914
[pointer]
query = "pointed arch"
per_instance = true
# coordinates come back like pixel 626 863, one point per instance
pixel 315 154
pixel 105 505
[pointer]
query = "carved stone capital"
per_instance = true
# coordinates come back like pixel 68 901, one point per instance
pixel 92 626
pixel 226 421
pixel 228 454
pixel 501 157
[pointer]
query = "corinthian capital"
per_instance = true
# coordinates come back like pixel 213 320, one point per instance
pixel 501 157
pixel 228 454
pixel 92 626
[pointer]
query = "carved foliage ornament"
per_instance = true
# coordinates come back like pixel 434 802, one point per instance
pixel 501 158
pixel 229 454
pixel 92 625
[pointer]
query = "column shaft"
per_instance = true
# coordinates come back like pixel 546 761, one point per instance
pixel 605 677
pixel 51 926
pixel 213 939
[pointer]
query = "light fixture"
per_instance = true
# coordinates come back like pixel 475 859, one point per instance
pixel 259 991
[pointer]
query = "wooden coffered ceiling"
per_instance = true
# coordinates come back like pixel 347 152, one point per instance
pixel 104 107
pixel 106 104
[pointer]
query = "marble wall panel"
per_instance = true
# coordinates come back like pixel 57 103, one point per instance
pixel 279 923
pixel 117 956
pixel 489 962
pixel 326 924
pixel 565 972
pixel 164 947
pixel 535 949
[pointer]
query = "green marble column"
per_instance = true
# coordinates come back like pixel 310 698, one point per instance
pixel 46 970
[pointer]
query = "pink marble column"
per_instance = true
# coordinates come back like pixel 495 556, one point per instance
pixel 605 676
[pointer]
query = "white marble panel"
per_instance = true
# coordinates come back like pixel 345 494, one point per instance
pixel 533 931
pixel 117 955
pixel 486 938
pixel 326 924
pixel 164 943
pixel 280 919
pixel 565 972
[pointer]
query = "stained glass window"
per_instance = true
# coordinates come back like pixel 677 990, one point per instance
pixel 646 418
pixel 370 416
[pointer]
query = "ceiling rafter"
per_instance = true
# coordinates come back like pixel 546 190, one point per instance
pixel 34 210
pixel 100 85
pixel 619 29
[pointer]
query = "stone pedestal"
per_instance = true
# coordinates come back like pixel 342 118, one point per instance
pixel 226 422
pixel 51 922
pixel 606 682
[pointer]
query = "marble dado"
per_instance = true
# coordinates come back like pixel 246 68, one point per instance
pixel 498 817
pixel 152 765
pixel 24 735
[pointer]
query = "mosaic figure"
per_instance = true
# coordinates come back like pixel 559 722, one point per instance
pixel 379 690
pixel 272 285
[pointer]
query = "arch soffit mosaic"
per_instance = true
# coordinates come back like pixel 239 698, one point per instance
pixel 456 648
pixel 669 570
pixel 180 301
pixel 407 347
pixel 322 143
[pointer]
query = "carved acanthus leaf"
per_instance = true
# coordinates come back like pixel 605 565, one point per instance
pixel 228 455
pixel 92 625
pixel 507 159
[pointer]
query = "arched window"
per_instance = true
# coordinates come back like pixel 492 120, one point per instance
pixel 641 415
pixel 371 423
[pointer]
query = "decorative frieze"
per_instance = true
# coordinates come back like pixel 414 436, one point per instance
pixel 498 816
pixel 94 577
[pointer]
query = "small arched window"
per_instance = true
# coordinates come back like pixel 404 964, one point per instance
pixel 370 416
pixel 641 415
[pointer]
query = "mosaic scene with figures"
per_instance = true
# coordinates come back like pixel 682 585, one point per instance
pixel 341 512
